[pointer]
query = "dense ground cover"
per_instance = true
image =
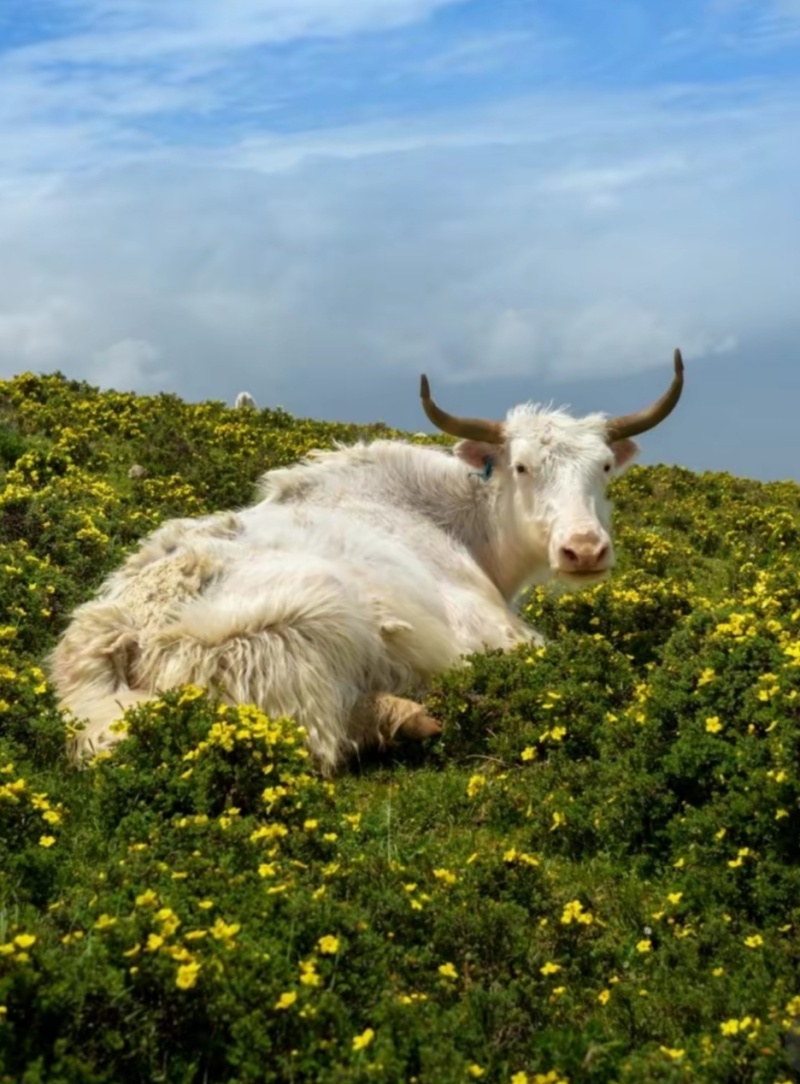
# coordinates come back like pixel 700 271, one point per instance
pixel 592 876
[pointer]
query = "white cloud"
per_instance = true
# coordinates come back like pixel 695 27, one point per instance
pixel 128 365
pixel 763 26
pixel 117 33
pixel 572 233
pixel 34 336
pixel 589 241
pixel 80 97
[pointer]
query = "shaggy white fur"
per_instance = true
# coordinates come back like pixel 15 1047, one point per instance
pixel 359 574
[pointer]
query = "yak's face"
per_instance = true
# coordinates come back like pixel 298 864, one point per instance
pixel 552 473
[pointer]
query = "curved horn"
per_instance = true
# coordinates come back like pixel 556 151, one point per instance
pixel 468 428
pixel 631 425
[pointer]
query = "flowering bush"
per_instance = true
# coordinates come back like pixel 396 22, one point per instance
pixel 592 876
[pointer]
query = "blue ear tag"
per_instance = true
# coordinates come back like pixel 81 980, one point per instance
pixel 488 469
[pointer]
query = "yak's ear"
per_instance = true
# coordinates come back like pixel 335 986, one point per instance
pixel 625 451
pixel 477 453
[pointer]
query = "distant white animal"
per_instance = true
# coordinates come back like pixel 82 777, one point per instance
pixel 359 574
pixel 244 400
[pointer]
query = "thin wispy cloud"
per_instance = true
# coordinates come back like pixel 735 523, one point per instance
pixel 770 27
pixel 199 197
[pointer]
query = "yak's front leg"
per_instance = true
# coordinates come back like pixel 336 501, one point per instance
pixel 519 632
pixel 381 718
pixel 508 632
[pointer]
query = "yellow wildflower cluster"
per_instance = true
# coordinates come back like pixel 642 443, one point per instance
pixel 17 796
pixel 574 912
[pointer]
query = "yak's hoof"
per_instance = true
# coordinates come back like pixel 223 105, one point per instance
pixel 419 726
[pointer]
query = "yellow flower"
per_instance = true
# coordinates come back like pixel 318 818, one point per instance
pixel 285 1001
pixel 574 912
pixel 328 945
pixel 707 676
pixel 754 941
pixel 46 841
pixel 154 942
pixel 604 996
pixel 190 693
pixel 169 921
pixel 448 971
pixel 645 945
pixel 475 1071
pixel 147 898
pixel 224 931
pixel 187 975
pixel 713 725
pixel 476 783
pixel 309 976
pixel 675 897
pixel 550 968
pixel 24 940
pixel 672 1053
pixel 445 875
pixel 360 1042
pixel 528 753
pixel 729 1027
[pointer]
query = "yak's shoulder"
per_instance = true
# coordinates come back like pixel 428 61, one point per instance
pixel 348 464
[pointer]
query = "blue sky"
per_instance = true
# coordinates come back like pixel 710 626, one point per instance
pixel 318 199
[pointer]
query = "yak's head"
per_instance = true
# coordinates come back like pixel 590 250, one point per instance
pixel 551 473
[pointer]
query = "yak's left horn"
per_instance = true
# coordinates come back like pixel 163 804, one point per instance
pixel 631 425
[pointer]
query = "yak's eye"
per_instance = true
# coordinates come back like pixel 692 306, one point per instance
pixel 520 468
pixel 607 468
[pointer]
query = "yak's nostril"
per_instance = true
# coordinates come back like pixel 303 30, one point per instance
pixel 585 555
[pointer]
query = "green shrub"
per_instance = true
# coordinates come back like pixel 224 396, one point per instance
pixel 592 876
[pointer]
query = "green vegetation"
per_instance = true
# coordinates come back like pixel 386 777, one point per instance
pixel 592 876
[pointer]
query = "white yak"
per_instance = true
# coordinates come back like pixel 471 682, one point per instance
pixel 359 573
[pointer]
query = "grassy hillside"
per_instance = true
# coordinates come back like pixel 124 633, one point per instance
pixel 593 876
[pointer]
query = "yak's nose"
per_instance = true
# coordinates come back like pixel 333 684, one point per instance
pixel 584 552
